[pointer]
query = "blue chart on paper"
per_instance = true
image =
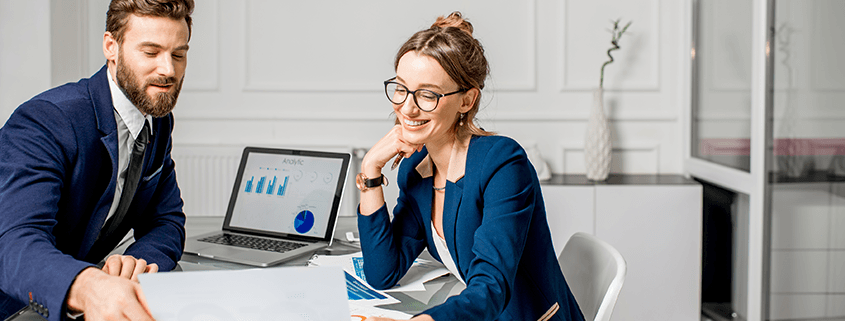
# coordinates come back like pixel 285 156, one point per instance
pixel 358 264
pixel 304 221
pixel 359 291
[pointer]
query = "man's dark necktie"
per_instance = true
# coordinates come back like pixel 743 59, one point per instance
pixel 115 228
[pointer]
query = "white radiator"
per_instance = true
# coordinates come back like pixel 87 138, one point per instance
pixel 205 175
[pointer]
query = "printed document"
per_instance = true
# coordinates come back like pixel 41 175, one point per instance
pixel 285 293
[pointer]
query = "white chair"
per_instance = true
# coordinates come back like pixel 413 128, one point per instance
pixel 595 272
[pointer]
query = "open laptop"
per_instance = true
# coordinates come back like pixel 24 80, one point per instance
pixel 284 204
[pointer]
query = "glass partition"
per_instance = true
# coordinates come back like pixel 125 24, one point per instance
pixel 807 246
pixel 721 132
pixel 722 82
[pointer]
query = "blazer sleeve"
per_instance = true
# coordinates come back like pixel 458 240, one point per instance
pixel 508 198
pixel 160 229
pixel 390 248
pixel 37 145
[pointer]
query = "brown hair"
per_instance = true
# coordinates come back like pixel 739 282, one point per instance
pixel 449 41
pixel 119 11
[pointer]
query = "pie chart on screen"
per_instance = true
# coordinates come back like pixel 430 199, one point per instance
pixel 303 222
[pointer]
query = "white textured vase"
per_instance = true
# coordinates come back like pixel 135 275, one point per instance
pixel 597 141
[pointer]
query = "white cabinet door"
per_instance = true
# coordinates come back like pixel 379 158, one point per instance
pixel 569 209
pixel 657 228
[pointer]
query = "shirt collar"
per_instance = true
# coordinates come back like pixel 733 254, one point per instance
pixel 457 162
pixel 132 117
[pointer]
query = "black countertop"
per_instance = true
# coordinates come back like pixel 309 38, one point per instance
pixel 621 179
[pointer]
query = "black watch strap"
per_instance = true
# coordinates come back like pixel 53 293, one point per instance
pixel 373 182
pixel 365 183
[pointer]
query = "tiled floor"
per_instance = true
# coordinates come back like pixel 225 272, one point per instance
pixel 705 317
pixel 718 312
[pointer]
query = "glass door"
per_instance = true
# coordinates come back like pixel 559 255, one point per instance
pixel 767 133
pixel 807 182
pixel 720 149
pixel 729 134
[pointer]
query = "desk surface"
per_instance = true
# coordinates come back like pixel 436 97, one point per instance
pixel 197 225
pixel 436 291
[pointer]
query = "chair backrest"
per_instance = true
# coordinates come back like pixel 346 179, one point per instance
pixel 594 271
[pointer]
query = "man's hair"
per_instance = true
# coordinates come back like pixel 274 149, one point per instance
pixel 119 11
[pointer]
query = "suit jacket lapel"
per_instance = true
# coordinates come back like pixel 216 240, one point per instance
pixel 452 199
pixel 451 204
pixel 98 89
pixel 425 196
pixel 454 192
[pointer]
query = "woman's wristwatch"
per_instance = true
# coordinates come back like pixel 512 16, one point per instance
pixel 365 183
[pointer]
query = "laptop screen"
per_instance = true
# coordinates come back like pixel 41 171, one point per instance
pixel 287 193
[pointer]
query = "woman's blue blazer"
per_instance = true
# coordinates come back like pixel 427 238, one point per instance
pixel 494 223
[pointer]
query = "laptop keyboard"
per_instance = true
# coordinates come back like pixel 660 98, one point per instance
pixel 253 242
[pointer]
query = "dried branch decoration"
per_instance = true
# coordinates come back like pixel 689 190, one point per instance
pixel 617 34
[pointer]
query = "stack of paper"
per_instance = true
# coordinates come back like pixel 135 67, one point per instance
pixel 363 299
pixel 423 270
pixel 289 293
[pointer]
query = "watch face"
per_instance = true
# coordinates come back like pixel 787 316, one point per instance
pixel 359 182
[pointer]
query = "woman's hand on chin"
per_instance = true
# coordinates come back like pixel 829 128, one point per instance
pixel 385 149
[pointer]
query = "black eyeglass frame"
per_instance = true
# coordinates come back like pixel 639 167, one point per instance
pixel 413 93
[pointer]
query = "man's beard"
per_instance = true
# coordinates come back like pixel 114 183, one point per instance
pixel 163 103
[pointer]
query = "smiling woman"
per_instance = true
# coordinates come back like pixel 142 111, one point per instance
pixel 450 46
pixel 471 198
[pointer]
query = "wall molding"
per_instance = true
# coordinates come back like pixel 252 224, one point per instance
pixel 652 147
pixel 207 84
pixel 566 85
pixel 260 115
pixel 529 84
pixel 731 116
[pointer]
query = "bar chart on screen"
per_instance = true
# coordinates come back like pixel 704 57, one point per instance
pixel 276 185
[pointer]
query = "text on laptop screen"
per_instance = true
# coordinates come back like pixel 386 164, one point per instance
pixel 290 194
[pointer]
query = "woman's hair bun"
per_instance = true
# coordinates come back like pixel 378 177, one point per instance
pixel 453 20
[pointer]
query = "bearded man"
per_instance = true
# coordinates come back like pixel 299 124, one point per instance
pixel 83 163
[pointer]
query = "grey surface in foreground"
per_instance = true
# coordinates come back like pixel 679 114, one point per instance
pixel 436 291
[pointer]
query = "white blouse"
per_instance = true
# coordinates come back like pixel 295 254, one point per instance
pixel 445 256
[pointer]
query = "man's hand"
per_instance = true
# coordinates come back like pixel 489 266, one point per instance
pixel 105 297
pixel 128 267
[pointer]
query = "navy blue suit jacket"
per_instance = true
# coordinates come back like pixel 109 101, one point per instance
pixel 494 224
pixel 58 173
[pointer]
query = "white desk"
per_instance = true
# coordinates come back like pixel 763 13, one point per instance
pixel 436 291
pixel 197 225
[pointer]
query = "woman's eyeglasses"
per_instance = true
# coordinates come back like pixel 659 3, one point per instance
pixel 425 99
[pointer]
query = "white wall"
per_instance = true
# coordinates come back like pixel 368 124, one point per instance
pixel 309 74
pixel 24 52
pixel 273 72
